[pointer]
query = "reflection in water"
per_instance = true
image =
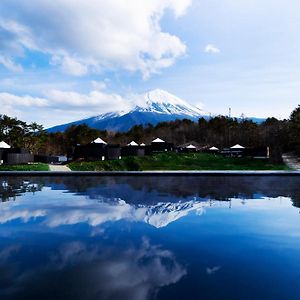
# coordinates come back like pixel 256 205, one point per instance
pixel 93 272
pixel 148 237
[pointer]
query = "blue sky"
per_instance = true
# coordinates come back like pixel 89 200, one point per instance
pixel 64 60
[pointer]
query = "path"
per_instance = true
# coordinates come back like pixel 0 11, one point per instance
pixel 291 161
pixel 59 168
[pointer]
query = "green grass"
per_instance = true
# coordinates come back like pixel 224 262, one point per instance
pixel 25 167
pixel 174 161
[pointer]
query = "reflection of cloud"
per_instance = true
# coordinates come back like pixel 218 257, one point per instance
pixel 92 272
pixel 94 213
pixel 8 251
pixel 213 270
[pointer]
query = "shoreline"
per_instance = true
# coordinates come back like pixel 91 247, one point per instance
pixel 150 173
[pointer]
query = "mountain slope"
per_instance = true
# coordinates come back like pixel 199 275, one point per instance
pixel 152 107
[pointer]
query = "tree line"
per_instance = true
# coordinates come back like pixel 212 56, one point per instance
pixel 219 131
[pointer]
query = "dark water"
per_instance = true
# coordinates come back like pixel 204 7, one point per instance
pixel 150 238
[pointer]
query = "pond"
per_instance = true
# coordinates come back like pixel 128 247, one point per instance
pixel 151 237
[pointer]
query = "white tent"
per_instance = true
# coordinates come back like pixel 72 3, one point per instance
pixel 99 141
pixel 191 147
pixel 158 140
pixel 214 149
pixel 133 143
pixel 237 147
pixel 143 144
pixel 4 145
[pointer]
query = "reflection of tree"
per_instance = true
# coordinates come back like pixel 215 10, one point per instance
pixel 154 189
pixel 12 187
pixel 158 188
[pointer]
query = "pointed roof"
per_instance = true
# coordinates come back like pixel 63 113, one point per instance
pixel 99 141
pixel 133 143
pixel 214 148
pixel 158 140
pixel 142 144
pixel 190 147
pixel 4 145
pixel 237 146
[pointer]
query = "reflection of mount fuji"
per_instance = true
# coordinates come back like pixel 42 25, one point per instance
pixel 157 201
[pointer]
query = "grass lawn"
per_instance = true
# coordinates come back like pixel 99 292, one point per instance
pixel 29 167
pixel 175 161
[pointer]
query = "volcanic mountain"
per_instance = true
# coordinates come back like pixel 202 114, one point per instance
pixel 150 108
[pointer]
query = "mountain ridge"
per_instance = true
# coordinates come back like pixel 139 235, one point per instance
pixel 149 108
pixel 152 107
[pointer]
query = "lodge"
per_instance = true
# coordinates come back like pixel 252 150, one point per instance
pixel 14 156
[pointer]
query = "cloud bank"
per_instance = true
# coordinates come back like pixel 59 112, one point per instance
pixel 83 37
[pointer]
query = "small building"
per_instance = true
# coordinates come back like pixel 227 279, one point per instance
pixel 16 156
pixel 237 150
pixel 191 148
pixel 133 149
pixel 96 150
pixel 214 150
pixel 159 145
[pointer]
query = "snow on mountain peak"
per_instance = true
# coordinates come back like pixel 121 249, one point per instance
pixel 160 101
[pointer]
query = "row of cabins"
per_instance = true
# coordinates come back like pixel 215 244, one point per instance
pixel 100 150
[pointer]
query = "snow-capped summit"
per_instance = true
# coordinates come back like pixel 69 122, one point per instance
pixel 149 108
pixel 160 101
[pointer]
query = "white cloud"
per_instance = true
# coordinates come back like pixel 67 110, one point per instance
pixel 90 37
pixel 58 106
pixel 9 64
pixel 210 48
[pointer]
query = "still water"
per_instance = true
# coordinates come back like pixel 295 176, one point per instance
pixel 154 237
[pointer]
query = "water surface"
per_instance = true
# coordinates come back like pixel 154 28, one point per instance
pixel 150 237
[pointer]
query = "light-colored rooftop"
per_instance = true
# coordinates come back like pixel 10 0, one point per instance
pixel 132 143
pixel 158 140
pixel 4 145
pixel 190 147
pixel 237 146
pixel 214 148
pixel 99 141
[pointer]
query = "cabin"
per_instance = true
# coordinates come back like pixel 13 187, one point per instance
pixel 14 156
pixel 214 150
pixel 96 150
pixel 159 145
pixel 234 151
pixel 188 148
pixel 133 149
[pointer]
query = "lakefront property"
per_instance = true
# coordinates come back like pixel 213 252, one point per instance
pixel 149 150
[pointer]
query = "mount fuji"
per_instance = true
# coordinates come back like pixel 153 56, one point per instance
pixel 150 108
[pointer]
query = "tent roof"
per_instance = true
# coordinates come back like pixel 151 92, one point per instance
pixel 143 144
pixel 214 148
pixel 237 146
pixel 158 140
pixel 99 141
pixel 4 145
pixel 133 143
pixel 191 147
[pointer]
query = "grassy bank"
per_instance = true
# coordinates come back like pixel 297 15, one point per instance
pixel 173 161
pixel 29 167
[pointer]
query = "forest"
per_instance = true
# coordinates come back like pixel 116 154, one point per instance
pixel 221 131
